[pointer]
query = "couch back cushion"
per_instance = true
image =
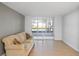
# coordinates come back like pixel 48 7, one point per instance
pixel 28 36
pixel 9 40
pixel 21 37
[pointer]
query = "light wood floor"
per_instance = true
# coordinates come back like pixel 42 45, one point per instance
pixel 52 48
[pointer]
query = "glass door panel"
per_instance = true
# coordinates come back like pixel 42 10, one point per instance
pixel 39 25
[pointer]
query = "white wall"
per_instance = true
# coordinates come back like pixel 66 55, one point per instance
pixel 10 22
pixel 28 25
pixel 58 28
pixel 71 29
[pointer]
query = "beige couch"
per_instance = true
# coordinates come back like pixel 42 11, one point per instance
pixel 18 45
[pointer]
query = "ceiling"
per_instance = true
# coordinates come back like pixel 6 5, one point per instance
pixel 43 8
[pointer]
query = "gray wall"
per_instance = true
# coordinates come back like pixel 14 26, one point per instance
pixel 71 29
pixel 10 22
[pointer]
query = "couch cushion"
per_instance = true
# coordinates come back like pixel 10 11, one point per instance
pixel 17 38
pixel 15 42
pixel 28 36
pixel 21 37
pixel 9 40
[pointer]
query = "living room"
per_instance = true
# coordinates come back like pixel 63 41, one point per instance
pixel 39 29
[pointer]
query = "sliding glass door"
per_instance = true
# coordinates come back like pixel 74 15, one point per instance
pixel 42 27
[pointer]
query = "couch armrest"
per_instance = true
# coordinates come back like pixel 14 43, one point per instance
pixel 15 47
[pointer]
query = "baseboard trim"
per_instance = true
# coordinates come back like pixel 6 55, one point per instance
pixel 71 46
